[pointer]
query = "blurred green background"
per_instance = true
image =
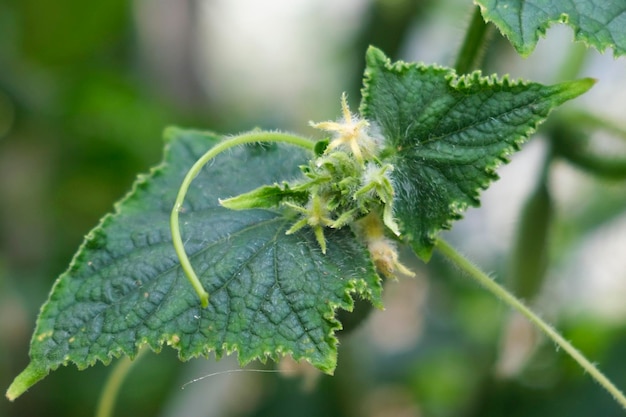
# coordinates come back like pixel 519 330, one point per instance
pixel 86 89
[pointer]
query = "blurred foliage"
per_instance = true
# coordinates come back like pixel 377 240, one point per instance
pixel 78 121
pixel 81 114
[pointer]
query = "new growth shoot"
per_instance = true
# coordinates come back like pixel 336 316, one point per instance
pixel 344 184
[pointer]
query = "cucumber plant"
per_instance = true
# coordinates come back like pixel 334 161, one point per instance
pixel 255 250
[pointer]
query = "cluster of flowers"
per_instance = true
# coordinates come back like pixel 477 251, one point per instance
pixel 345 185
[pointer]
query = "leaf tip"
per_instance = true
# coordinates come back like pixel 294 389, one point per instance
pixel 375 57
pixel 26 379
pixel 171 132
pixel 423 251
pixel 587 82
pixel 573 89
pixel 229 203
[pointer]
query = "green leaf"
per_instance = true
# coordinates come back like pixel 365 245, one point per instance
pixel 271 294
pixel 598 23
pixel 446 135
pixel 266 196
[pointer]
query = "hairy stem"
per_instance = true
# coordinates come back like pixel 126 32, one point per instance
pixel 482 278
pixel 106 404
pixel 251 137
pixel 471 51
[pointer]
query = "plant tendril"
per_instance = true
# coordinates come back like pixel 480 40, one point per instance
pixel 245 138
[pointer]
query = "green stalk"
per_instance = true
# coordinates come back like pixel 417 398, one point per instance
pixel 471 51
pixel 112 387
pixel 483 279
pixel 250 137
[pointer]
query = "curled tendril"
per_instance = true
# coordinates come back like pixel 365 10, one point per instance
pixel 179 247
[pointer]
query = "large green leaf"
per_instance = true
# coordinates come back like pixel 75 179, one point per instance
pixel 599 23
pixel 446 135
pixel 271 293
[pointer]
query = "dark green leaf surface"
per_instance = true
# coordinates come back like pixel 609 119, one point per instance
pixel 270 293
pixel 599 23
pixel 446 135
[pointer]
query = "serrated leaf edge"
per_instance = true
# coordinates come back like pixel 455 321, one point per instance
pixel 375 58
pixel 527 48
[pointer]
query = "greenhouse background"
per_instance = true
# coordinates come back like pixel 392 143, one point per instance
pixel 86 90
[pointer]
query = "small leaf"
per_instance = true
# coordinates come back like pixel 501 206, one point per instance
pixel 271 294
pixel 598 23
pixel 446 135
pixel 266 196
